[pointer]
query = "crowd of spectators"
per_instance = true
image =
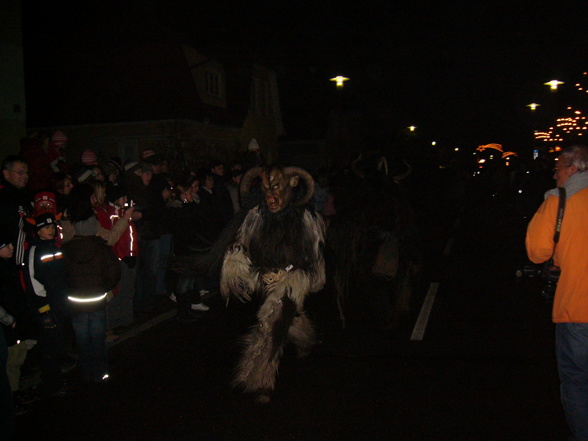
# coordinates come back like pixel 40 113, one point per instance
pixel 86 245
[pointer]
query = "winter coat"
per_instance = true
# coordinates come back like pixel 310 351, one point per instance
pixel 44 275
pixel 127 245
pixel 222 199
pixel 211 220
pixel 39 162
pixel 13 301
pixel 151 206
pixel 571 297
pixel 92 270
pixel 15 205
pixel 186 223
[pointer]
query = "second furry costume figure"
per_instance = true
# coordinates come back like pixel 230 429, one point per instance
pixel 277 254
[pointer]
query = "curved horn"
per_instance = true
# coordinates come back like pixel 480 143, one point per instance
pixel 297 171
pixel 398 178
pixel 355 169
pixel 383 163
pixel 245 185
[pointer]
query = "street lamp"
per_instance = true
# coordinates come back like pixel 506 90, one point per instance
pixel 339 79
pixel 553 84
pixel 411 128
pixel 533 106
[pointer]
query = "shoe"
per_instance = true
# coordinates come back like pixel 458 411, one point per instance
pixel 205 294
pixel 199 307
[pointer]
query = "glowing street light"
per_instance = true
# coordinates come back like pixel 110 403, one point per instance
pixel 411 128
pixel 533 106
pixel 339 79
pixel 553 84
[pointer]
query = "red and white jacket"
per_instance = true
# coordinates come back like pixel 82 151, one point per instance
pixel 128 244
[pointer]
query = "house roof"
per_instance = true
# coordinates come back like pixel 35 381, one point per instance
pixel 136 82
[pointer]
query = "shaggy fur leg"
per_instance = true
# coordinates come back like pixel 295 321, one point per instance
pixel 264 345
pixel 301 333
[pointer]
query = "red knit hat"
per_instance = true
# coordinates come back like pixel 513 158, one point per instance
pixel 45 201
pixel 59 138
pixel 89 157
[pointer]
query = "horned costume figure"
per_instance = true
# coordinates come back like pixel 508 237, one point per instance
pixel 277 254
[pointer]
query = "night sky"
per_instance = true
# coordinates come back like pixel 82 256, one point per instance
pixel 460 70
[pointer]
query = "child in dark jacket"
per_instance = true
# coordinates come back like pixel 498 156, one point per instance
pixel 92 271
pixel 46 287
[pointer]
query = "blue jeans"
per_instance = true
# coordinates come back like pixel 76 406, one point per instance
pixel 119 311
pixel 164 245
pixel 146 286
pixel 7 417
pixel 51 350
pixel 90 332
pixel 571 344
pixel 191 285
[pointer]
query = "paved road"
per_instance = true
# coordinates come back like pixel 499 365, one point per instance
pixel 483 370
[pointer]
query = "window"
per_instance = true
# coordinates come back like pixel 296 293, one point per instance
pixel 214 83
pixel 260 97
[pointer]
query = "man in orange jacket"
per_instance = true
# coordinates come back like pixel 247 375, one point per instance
pixel 570 307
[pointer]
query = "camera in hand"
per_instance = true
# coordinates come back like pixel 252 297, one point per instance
pixel 547 272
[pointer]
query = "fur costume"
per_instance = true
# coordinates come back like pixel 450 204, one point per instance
pixel 278 254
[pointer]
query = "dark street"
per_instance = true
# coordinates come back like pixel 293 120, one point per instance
pixel 483 368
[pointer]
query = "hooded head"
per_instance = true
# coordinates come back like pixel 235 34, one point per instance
pixel 45 225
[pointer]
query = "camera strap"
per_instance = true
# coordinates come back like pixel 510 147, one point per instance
pixel 560 213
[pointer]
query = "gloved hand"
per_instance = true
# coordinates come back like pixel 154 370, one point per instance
pixel 48 320
pixel 131 261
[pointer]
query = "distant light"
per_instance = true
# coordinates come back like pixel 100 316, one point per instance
pixel 481 161
pixel 339 80
pixel 553 84
pixel 490 146
pixel 412 128
pixel 434 143
pixel 506 155
pixel 456 149
pixel 533 106
pixel 520 191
